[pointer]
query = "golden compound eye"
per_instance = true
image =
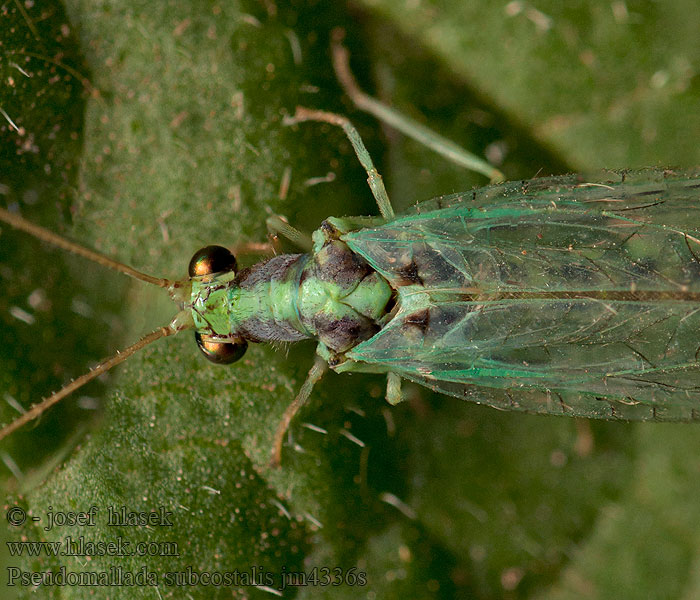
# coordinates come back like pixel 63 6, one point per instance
pixel 221 353
pixel 210 260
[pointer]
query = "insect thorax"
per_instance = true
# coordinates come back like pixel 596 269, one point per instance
pixel 341 298
pixel 331 295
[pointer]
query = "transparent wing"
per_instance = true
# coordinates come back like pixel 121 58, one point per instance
pixel 555 296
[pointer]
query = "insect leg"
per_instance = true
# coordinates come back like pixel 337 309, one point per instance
pixel 406 125
pixel 315 373
pixel 374 179
pixel 278 225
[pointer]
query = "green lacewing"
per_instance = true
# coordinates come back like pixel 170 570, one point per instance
pixel 562 295
pixel 555 295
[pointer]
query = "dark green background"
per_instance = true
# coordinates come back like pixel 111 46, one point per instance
pixel 179 132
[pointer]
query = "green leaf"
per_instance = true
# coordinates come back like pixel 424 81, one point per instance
pixel 601 84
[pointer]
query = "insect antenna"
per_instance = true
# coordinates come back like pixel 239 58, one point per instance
pixel 37 409
pixel 49 236
pixel 183 320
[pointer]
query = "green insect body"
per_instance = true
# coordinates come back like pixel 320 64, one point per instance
pixel 331 295
pixel 553 296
